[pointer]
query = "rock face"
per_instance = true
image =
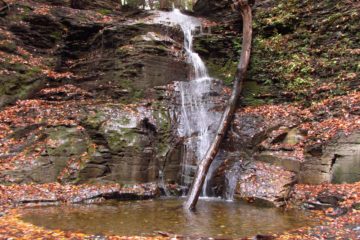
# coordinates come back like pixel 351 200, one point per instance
pixel 218 10
pixel 338 162
pixel 109 142
pixel 64 143
pixel 95 5
pixel 272 146
pixel 278 70
pixel 55 193
pixel 133 146
pixel 123 61
pixel 303 141
pixel 100 108
pixel 100 53
pixel 265 183
pixel 98 81
pixel 266 176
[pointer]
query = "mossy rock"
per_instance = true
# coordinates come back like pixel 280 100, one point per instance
pixel 8 46
pixel 66 142
pixel 356 206
pixel 163 122
pixel 95 119
pixel 104 11
pixel 291 53
pixel 23 81
pixel 123 139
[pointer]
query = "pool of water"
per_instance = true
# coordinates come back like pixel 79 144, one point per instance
pixel 213 218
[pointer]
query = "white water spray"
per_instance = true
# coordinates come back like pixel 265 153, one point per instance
pixel 197 123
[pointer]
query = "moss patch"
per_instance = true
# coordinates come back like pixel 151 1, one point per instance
pixel 8 46
pixel 298 48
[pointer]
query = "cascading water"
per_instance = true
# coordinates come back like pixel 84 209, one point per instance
pixel 197 122
pixel 231 180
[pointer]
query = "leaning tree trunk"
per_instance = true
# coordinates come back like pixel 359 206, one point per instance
pixel 244 6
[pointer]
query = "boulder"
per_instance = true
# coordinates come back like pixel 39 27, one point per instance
pixel 63 145
pixel 287 162
pixel 265 183
pixel 337 162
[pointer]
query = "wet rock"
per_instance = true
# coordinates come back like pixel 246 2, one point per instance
pixel 42 31
pixel 337 212
pixel 114 142
pixel 133 145
pixel 280 138
pixel 123 60
pixel 129 64
pixel 250 132
pixel 131 154
pixel 98 4
pixel 119 61
pixel 218 10
pixel 4 9
pixel 330 198
pixel 92 171
pixel 250 129
pixel 53 194
pixel 289 163
pixel 311 205
pixel 98 237
pixel 20 84
pixel 314 149
pixel 356 206
pixel 338 162
pixel 263 237
pixel 63 145
pixel 265 182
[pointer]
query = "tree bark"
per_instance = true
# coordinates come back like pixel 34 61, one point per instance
pixel 244 6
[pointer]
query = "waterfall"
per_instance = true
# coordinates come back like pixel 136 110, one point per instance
pixel 197 122
pixel 162 184
pixel 231 180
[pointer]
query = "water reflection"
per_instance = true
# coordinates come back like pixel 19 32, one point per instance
pixel 214 218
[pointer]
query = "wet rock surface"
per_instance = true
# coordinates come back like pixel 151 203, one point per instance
pixel 112 54
pixel 97 112
pixel 54 193
pixel 102 142
pixel 266 184
pixel 338 162
pixel 288 138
